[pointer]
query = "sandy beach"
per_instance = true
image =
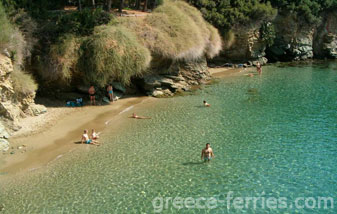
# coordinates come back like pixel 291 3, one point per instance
pixel 44 138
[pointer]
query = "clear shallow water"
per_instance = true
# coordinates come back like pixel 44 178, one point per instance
pixel 273 136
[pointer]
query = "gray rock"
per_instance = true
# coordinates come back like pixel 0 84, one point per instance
pixel 157 93
pixel 176 78
pixel 38 109
pixel 4 145
pixel 3 133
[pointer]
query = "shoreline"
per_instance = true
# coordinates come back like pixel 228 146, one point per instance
pixel 60 133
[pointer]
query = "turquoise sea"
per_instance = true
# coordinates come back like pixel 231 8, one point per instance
pixel 274 137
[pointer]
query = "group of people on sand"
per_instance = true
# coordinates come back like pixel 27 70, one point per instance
pixel 93 139
pixel 92 94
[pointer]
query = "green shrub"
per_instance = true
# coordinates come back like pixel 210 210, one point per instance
pixel 224 14
pixel 6 29
pixel 268 34
pixel 112 53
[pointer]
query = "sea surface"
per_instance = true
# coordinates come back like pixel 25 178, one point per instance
pixel 274 137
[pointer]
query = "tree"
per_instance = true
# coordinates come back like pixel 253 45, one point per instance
pixel 145 6
pixel 79 5
pixel 109 2
pixel 121 6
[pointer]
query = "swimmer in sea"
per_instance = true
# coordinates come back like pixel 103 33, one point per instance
pixel 139 117
pixel 207 153
pixel 85 139
pixel 206 104
pixel 259 68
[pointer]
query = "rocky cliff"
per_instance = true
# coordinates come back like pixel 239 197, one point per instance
pixel 325 43
pixel 295 40
pixel 247 45
pixel 13 106
pixel 178 77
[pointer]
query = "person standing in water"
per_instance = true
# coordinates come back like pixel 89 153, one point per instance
pixel 259 68
pixel 110 91
pixel 206 104
pixel 92 95
pixel 207 153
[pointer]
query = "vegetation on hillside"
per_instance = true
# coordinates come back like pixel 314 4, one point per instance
pixel 13 44
pixel 224 14
pixel 123 48
pixel 309 10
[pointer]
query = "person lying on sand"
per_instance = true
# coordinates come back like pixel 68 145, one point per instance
pixel 85 139
pixel 207 153
pixel 94 134
pixel 206 104
pixel 138 117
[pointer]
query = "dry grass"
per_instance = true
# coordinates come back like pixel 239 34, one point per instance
pixel 176 31
pixel 113 53
pixel 63 58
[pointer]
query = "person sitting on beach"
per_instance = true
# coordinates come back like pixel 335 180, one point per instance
pixel 207 153
pixel 110 91
pixel 259 68
pixel 206 104
pixel 94 135
pixel 85 139
pixel 92 95
pixel 139 117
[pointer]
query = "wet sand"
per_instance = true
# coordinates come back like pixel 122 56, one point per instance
pixel 65 135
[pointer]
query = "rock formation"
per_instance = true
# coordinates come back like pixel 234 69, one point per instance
pixel 325 43
pixel 179 77
pixel 12 105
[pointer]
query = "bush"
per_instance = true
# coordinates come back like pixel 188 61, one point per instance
pixel 81 22
pixel 6 29
pixel 224 14
pixel 268 34
pixel 60 64
pixel 176 31
pixel 23 83
pixel 112 53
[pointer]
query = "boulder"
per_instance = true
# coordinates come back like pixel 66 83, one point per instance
pixel 37 109
pixel 3 132
pixel 4 145
pixel 157 93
